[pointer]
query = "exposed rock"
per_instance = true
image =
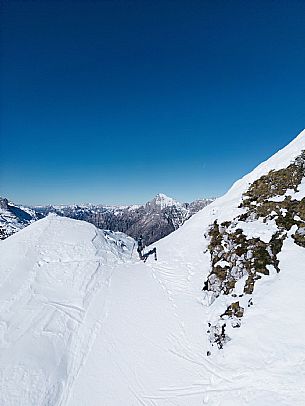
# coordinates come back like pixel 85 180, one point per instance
pixel 3 203
pixel 235 257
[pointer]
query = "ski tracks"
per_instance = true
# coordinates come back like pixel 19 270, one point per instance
pixel 180 288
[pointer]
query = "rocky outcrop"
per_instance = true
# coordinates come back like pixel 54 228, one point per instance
pixel 239 259
pixel 3 203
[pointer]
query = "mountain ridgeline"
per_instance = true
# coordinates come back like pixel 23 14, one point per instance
pixel 154 220
pixel 13 218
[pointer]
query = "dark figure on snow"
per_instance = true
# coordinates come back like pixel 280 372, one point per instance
pixel 140 250
pixel 206 285
pixel 153 251
pixel 140 246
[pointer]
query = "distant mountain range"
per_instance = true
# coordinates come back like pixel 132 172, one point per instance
pixel 154 220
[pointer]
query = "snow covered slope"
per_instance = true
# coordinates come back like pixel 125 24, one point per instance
pixel 49 275
pixel 83 323
pixel 154 345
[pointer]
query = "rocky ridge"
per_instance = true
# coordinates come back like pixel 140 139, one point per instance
pixel 274 202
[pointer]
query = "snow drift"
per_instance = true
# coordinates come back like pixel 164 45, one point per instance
pixel 49 274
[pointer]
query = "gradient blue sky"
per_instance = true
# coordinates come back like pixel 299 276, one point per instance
pixel 115 101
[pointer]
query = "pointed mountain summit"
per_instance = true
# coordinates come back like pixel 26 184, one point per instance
pixel 161 201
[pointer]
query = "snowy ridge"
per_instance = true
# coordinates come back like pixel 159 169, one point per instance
pixel 162 359
pixel 278 161
pixel 83 323
pixel 49 275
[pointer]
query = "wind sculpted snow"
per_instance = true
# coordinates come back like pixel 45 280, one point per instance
pixel 84 322
pixel 49 275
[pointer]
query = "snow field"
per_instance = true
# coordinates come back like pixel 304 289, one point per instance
pixel 83 324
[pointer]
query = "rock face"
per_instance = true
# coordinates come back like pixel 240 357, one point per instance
pixel 3 204
pixel 154 220
pixel 274 202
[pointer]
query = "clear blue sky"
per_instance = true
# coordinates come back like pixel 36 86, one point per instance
pixel 115 101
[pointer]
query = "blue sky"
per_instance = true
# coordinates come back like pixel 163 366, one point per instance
pixel 115 101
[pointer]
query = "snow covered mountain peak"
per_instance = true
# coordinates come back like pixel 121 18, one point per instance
pixel 162 201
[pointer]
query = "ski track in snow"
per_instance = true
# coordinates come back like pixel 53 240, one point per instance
pixel 204 377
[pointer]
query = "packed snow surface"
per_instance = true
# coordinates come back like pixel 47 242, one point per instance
pixel 84 322
pixel 49 275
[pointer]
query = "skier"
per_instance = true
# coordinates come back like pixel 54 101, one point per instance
pixel 140 249
pixel 153 251
pixel 140 246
